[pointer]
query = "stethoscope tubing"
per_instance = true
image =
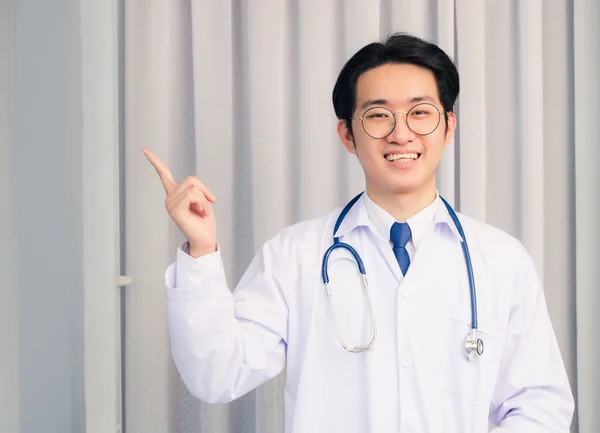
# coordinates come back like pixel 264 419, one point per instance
pixel 473 344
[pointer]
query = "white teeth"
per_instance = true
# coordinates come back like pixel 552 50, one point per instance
pixel 397 156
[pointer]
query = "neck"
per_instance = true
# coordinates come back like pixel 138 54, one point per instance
pixel 402 206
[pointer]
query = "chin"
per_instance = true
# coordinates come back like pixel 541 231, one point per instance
pixel 406 187
pixel 400 184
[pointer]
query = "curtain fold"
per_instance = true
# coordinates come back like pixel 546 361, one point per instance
pixel 9 292
pixel 239 93
pixel 587 207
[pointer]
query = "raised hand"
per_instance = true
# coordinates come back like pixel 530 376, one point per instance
pixel 190 206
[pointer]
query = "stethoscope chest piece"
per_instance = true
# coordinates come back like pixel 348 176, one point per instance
pixel 473 345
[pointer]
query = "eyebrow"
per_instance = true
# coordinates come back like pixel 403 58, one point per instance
pixel 386 102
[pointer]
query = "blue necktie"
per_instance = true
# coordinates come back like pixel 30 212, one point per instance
pixel 399 236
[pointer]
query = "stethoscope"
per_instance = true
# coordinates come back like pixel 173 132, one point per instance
pixel 473 344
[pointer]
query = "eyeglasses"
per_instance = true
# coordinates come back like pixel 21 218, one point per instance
pixel 379 122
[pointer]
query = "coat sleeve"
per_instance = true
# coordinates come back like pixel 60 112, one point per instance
pixel 532 391
pixel 223 344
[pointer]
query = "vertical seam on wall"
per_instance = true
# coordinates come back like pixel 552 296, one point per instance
pixel 457 195
pixel 122 195
pixel 573 197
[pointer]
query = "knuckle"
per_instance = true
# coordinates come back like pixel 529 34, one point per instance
pixel 190 196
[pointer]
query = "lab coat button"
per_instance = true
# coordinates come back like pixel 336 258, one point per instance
pixel 403 290
pixel 405 361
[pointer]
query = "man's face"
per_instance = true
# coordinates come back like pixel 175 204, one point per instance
pixel 398 87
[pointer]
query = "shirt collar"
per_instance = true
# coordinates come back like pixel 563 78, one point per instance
pixel 419 223
pixel 367 213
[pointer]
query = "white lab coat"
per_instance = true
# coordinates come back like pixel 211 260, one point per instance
pixel 416 378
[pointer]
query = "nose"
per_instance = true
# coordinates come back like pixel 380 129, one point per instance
pixel 401 133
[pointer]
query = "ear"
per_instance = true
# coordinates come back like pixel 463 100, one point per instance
pixel 346 136
pixel 451 126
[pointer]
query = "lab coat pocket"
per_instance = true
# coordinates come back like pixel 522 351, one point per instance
pixel 472 380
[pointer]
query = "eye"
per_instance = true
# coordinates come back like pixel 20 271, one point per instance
pixel 378 113
pixel 422 110
pixel 378 116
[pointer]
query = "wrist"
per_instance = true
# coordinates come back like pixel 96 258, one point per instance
pixel 201 250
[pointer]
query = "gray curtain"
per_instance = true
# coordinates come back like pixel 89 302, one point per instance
pixel 239 92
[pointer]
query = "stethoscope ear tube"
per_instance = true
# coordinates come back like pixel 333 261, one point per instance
pixel 361 268
pixel 350 348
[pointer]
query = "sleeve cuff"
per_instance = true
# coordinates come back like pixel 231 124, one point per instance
pixel 188 270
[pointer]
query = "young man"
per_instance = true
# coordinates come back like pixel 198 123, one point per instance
pixel 404 353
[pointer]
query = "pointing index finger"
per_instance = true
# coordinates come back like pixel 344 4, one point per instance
pixel 163 171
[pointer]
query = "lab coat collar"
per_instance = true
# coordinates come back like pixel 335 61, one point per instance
pixel 358 216
pixel 442 216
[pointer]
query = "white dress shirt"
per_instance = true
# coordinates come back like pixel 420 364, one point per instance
pixel 416 378
pixel 419 223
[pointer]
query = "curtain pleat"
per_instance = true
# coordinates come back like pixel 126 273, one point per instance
pixel 239 93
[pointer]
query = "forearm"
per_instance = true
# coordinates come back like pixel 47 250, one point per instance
pixel 220 356
pixel 538 410
pixel 533 393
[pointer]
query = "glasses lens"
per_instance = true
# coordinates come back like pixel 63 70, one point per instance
pixel 378 122
pixel 423 119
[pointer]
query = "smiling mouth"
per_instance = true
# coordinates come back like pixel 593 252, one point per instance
pixel 402 157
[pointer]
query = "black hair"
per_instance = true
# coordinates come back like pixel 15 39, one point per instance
pixel 399 48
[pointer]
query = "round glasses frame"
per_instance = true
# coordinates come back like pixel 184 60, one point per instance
pixel 393 117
